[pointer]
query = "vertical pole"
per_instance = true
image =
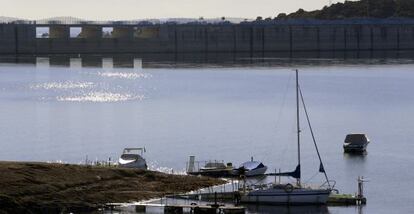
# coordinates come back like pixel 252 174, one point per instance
pixel 206 39
pixel 359 191
pixel 318 40
pixel 290 42
pixel 345 34
pixel 297 121
pixel 398 38
pixel 251 42
pixel 175 40
pixel 244 184
pixel 263 42
pixel 16 40
pixel 280 177
pixel 371 39
pixel 234 40
pixel 360 187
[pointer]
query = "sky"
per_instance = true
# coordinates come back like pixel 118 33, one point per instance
pixel 139 9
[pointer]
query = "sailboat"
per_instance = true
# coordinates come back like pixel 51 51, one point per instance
pixel 292 194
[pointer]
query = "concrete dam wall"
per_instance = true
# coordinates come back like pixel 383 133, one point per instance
pixel 204 38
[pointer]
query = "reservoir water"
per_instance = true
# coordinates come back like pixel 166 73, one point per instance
pixel 229 111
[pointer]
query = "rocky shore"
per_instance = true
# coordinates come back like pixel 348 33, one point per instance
pixel 56 188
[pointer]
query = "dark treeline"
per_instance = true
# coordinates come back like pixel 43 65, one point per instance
pixel 358 9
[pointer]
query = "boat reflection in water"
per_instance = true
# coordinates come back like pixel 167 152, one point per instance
pixel 322 209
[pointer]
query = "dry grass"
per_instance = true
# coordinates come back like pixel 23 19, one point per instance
pixel 42 187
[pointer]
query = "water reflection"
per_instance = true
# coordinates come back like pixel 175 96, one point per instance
pixel 355 158
pixel 75 62
pixel 287 209
pixel 62 61
pixel 266 59
pixel 361 155
pixel 355 163
pixel 197 111
pixel 92 61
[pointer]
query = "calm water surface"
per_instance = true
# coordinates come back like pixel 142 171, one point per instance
pixel 226 113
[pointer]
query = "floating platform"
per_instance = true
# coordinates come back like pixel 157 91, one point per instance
pixel 345 200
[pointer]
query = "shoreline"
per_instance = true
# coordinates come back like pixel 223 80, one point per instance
pixel 33 187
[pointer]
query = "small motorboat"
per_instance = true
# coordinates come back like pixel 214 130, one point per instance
pixel 356 143
pixel 215 169
pixel 132 158
pixel 251 168
pixel 211 168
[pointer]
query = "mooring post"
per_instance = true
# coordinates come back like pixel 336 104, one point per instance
pixel 140 208
pixel 240 210
pixel 215 198
pixel 173 210
pixel 237 197
pixel 360 194
pixel 205 210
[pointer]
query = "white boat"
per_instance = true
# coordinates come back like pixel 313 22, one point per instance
pixel 251 168
pixel 131 158
pixel 291 194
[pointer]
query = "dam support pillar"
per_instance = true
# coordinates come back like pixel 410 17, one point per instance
pixel 123 32
pixel 8 39
pixel 59 32
pixel 91 32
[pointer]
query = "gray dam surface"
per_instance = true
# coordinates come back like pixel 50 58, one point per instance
pixel 288 36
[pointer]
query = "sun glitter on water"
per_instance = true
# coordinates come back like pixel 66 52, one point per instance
pixel 101 97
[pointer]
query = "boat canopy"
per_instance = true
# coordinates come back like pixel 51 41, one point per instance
pixel 134 150
pixel 218 165
pixel 356 138
pixel 250 165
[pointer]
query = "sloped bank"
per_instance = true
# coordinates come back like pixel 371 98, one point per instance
pixel 55 188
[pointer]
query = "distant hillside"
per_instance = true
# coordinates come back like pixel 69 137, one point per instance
pixel 75 20
pixel 358 9
pixel 5 19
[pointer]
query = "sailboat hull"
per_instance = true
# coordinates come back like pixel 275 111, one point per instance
pixel 281 196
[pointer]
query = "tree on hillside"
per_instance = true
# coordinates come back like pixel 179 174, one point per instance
pixel 405 8
pixel 381 8
pixel 359 9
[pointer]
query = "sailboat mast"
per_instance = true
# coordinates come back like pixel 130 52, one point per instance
pixel 297 122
